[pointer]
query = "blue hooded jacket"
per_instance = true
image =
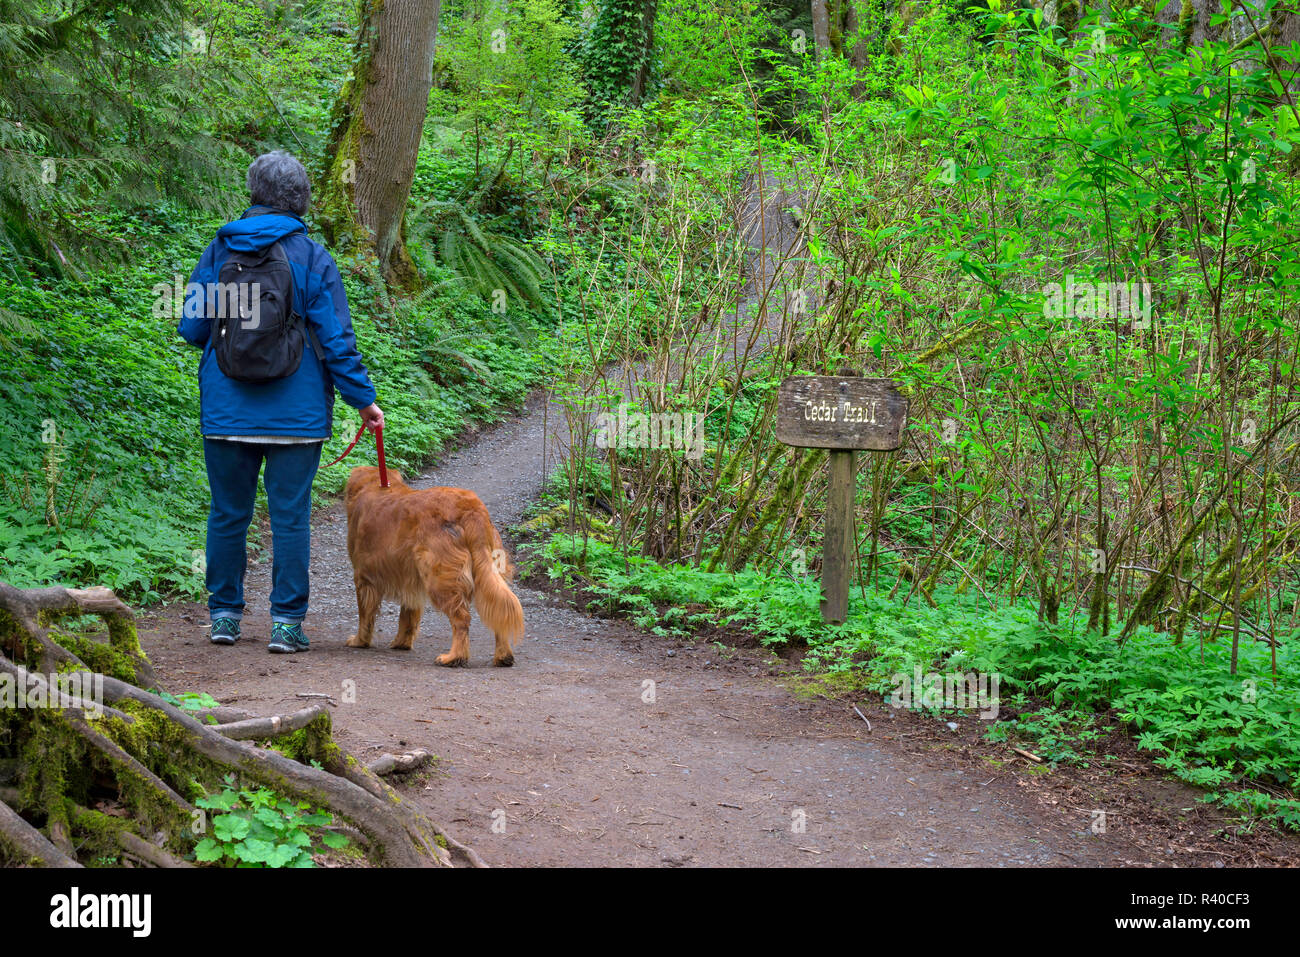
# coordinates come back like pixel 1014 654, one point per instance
pixel 301 404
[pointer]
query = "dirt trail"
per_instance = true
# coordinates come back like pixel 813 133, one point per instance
pixel 720 768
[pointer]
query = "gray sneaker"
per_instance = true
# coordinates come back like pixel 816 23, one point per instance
pixel 287 639
pixel 225 631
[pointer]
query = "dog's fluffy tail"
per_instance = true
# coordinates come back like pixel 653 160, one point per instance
pixel 496 604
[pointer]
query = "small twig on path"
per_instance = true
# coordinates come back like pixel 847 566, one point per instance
pixel 863 717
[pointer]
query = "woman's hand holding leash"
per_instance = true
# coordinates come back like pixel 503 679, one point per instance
pixel 372 417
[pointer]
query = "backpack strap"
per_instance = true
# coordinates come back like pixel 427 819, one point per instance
pixel 315 343
pixel 278 252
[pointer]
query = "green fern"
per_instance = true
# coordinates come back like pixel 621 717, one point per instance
pixel 482 259
pixel 101 101
pixel 438 349
pixel 12 324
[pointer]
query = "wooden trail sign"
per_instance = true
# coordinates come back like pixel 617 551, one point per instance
pixel 842 413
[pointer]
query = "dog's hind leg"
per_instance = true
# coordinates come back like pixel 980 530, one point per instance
pixel 408 623
pixel 458 614
pixel 368 601
pixel 503 655
pixel 449 584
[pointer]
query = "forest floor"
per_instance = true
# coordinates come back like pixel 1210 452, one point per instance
pixel 561 760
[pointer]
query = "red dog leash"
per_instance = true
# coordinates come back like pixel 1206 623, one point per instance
pixel 379 447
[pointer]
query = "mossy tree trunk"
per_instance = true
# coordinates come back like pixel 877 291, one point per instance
pixel 641 78
pixel 375 138
pixel 74 736
pixel 856 13
pixel 821 20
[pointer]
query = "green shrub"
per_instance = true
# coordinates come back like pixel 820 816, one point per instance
pixel 258 828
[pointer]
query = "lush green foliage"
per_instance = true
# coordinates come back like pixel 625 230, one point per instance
pixel 116 98
pixel 615 48
pixel 257 828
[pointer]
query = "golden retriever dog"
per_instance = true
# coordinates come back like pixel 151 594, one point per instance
pixel 434 545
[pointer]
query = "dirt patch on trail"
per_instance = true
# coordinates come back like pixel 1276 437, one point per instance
pixel 604 745
pixel 1118 789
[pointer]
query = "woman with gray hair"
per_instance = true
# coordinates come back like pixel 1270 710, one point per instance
pixel 278 181
pixel 267 389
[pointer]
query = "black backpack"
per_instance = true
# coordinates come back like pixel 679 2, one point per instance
pixel 256 333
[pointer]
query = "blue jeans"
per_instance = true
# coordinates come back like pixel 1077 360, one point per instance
pixel 232 478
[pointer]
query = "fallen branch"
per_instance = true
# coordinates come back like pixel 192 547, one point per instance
pixel 390 763
pixel 256 729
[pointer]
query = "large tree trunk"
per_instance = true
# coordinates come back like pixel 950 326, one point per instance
pixel 855 13
pixel 378 121
pixel 821 20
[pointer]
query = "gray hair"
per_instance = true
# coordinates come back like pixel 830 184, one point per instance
pixel 278 180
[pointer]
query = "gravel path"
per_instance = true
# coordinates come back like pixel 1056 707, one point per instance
pixel 567 759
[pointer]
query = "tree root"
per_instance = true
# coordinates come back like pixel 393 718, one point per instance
pixel 142 850
pixel 122 837
pixel 32 608
pixel 31 845
pixel 119 757
pixel 390 763
pixel 161 758
pixel 223 715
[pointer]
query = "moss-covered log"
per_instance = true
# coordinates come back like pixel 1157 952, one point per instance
pixel 75 741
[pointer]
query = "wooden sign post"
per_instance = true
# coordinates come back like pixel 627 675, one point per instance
pixel 842 413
